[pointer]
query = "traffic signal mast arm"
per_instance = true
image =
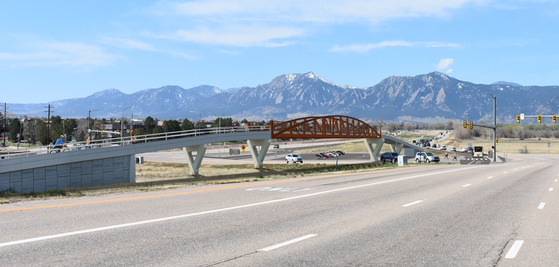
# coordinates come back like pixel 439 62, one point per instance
pixel 538 117
pixel 472 125
pixel 485 126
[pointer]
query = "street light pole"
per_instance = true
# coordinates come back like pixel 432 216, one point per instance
pixel 494 127
pixel 88 117
pixel 122 125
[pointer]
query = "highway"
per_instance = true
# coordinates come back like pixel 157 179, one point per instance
pixel 501 214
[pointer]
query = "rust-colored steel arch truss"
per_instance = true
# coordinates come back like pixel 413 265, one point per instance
pixel 333 126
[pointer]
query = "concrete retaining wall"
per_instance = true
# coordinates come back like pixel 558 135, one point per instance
pixel 105 171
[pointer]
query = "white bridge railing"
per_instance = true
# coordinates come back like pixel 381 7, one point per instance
pixel 126 140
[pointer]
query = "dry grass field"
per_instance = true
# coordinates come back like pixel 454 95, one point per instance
pixel 154 172
pixel 508 145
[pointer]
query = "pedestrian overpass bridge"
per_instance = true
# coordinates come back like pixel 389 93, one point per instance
pixel 111 161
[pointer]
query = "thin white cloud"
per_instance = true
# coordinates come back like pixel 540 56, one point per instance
pixel 367 47
pixel 361 48
pixel 238 36
pixel 231 22
pixel 128 44
pixel 61 54
pixel 445 63
pixel 332 11
pixel 137 45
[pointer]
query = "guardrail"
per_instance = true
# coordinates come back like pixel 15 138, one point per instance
pixel 127 140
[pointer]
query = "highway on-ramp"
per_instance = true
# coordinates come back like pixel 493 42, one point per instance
pixel 501 214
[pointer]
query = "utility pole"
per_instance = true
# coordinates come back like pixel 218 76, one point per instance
pixel 48 122
pixel 5 125
pixel 494 127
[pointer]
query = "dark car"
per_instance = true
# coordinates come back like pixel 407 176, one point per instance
pixel 322 156
pixel 391 157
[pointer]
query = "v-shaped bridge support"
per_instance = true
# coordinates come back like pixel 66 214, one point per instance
pixel 373 151
pixel 194 163
pixel 397 148
pixel 258 155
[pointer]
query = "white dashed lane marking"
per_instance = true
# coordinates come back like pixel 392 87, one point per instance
pixel 413 203
pixel 287 243
pixel 514 249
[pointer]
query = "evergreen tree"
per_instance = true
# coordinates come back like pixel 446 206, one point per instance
pixel 187 125
pixel 15 128
pixel 42 133
pixel 171 126
pixel 149 123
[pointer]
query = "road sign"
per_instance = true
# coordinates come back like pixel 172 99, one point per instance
pixel 521 116
pixel 243 147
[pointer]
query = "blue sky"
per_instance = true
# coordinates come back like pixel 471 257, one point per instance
pixel 51 50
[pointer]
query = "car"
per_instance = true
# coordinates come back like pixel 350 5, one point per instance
pixel 453 149
pixel 443 147
pixel 334 153
pixel 276 146
pixel 322 156
pixel 391 157
pixel 426 157
pixel 293 158
pixel 466 150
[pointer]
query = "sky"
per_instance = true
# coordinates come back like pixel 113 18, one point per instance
pixel 59 49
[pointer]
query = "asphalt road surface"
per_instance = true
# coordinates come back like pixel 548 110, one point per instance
pixel 433 215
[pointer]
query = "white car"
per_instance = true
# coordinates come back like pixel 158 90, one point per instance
pixel 426 157
pixel 293 158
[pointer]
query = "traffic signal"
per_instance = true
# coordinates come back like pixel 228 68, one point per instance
pixel 471 125
pixel 554 118
pixel 539 118
pixel 517 118
pixel 496 141
pixel 465 124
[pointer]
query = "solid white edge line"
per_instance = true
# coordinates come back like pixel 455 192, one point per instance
pixel 287 243
pixel 466 185
pixel 489 177
pixel 514 249
pixel 413 203
pixel 116 226
pixel 550 189
pixel 541 206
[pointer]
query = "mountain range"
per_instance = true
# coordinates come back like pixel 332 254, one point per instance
pixel 429 98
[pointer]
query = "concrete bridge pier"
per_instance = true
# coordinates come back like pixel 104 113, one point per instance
pixel 373 151
pixel 258 155
pixel 194 163
pixel 397 147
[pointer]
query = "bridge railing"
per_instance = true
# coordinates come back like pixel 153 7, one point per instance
pixel 126 140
